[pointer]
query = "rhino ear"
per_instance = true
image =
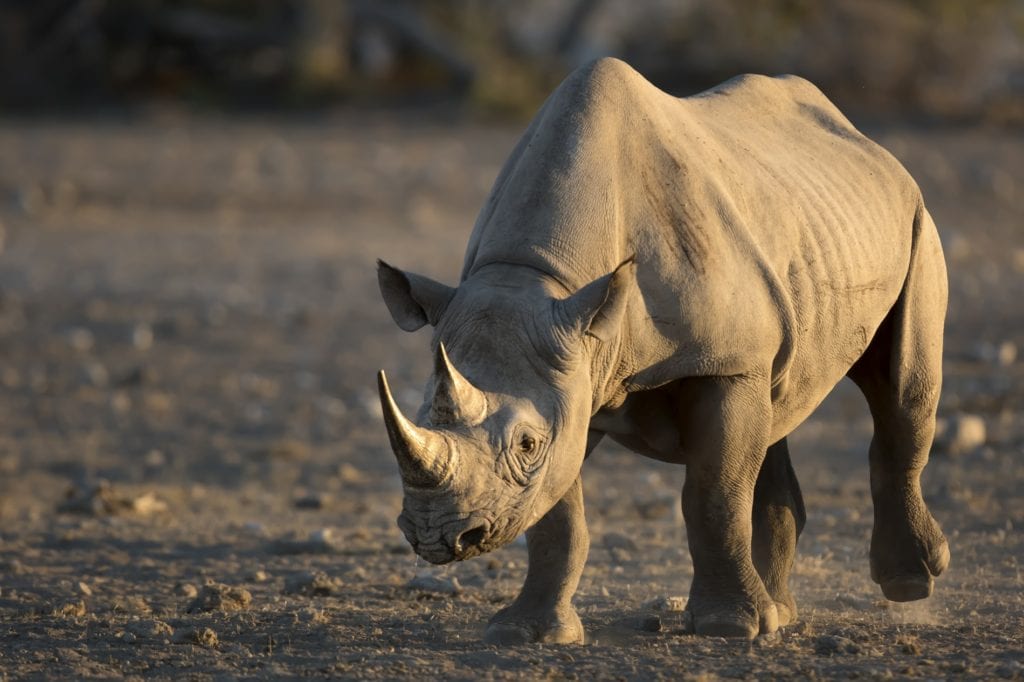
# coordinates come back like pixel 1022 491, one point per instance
pixel 413 300
pixel 597 308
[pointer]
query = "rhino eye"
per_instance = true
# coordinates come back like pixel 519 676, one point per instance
pixel 527 444
pixel 523 456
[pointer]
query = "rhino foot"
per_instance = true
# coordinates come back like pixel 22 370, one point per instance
pixel 512 626
pixel 732 622
pixel 904 564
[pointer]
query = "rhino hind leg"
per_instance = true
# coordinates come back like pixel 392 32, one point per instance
pixel 778 520
pixel 900 375
pixel 543 611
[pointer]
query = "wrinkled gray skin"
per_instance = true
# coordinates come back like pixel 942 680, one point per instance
pixel 689 277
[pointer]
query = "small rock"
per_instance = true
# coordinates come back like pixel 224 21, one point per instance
pixel 155 459
pixel 186 590
pixel 310 501
pixel 310 615
pixel 254 528
pixel 1003 354
pixel 425 582
pixel 150 629
pixel 132 604
pixel 620 556
pixel 204 637
pixel 658 508
pixel 965 434
pixel 81 339
pixel 312 584
pixel 142 336
pixel 102 499
pixel 647 623
pixel 259 576
pixel 74 609
pixel 84 589
pixel 290 449
pixel 128 638
pixel 1006 353
pixel 673 604
pixel 831 645
pixel 618 541
pixel 12 567
pixel 94 374
pixel 320 541
pixel 218 597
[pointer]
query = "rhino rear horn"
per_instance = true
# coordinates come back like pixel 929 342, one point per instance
pixel 455 399
pixel 424 456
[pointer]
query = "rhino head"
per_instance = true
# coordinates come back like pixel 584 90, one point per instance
pixel 502 431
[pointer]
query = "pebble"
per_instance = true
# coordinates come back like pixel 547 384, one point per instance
pixel 320 541
pixel 647 623
pixel 618 541
pixel 81 339
pixel 94 374
pixel 831 645
pixel 150 628
pixel 620 556
pixel 102 499
pixel 965 434
pixel 219 597
pixel 1003 354
pixel 660 507
pixel 142 336
pixel 186 590
pixel 204 637
pixel 313 584
pixel 74 609
pixel 310 501
pixel 426 582
pixel 310 615
pixel 673 604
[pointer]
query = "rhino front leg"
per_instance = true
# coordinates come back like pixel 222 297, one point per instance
pixel 778 519
pixel 727 422
pixel 543 611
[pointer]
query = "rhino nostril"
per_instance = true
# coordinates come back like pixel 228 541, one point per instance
pixel 470 538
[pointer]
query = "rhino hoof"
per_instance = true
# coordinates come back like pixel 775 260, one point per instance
pixel 566 629
pixel 733 624
pixel 907 588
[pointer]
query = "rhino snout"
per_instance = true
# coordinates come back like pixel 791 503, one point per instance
pixel 456 542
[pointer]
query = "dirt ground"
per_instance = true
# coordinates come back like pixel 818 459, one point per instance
pixel 194 477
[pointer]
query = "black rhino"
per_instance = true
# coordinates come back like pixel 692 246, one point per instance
pixel 689 277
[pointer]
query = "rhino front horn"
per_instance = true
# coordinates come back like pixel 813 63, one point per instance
pixel 423 455
pixel 455 399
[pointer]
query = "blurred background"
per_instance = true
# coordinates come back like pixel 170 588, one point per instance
pixel 940 59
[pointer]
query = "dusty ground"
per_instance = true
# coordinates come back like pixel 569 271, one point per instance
pixel 188 311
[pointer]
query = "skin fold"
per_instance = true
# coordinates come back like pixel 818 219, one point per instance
pixel 689 277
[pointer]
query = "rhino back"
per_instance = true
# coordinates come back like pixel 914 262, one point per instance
pixel 765 227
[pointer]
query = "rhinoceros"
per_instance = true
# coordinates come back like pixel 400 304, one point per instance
pixel 689 277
